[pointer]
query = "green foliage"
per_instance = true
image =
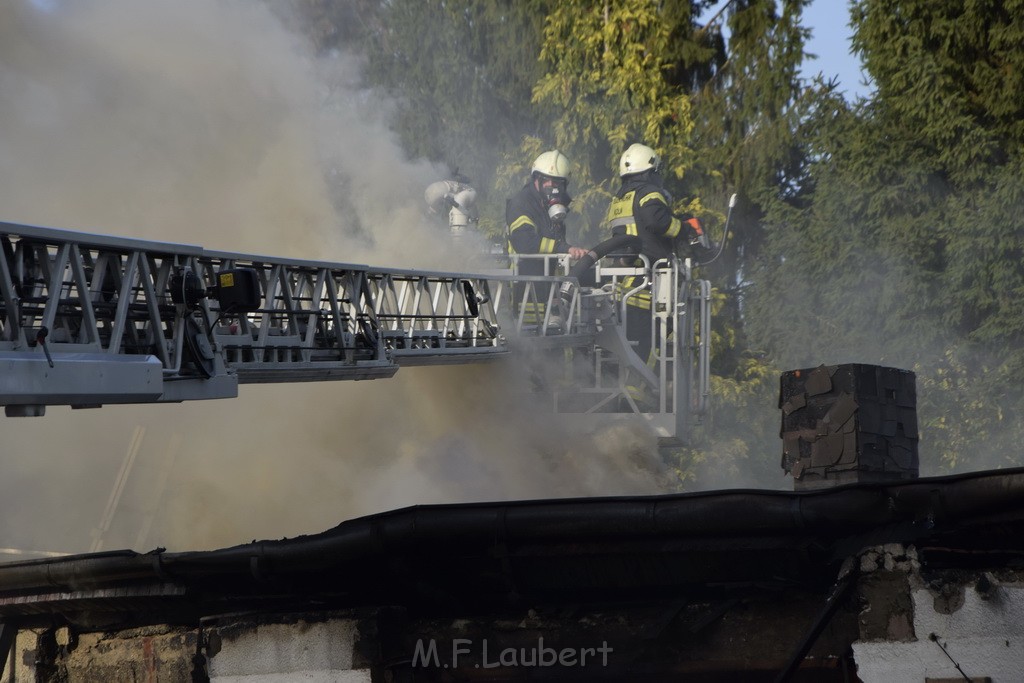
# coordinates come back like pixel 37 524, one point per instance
pixel 748 125
pixel 461 73
pixel 887 231
pixel 967 408
pixel 906 249
pixel 952 72
pixel 612 79
pixel 745 113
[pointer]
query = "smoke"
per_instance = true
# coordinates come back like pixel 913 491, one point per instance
pixel 965 394
pixel 205 122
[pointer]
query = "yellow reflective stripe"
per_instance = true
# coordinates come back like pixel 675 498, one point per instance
pixel 620 211
pixel 547 245
pixel 644 294
pixel 520 222
pixel 533 314
pixel 631 229
pixel 652 196
pixel 674 227
pixel 641 299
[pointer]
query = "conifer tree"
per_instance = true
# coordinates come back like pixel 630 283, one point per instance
pixel 462 71
pixel 908 251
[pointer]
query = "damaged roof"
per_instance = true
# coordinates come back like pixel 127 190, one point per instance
pixel 564 551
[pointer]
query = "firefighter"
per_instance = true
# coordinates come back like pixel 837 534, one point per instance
pixel 643 207
pixel 535 219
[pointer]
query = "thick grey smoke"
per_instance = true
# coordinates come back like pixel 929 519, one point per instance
pixel 203 121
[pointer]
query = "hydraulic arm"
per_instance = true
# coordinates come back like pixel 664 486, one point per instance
pixel 91 319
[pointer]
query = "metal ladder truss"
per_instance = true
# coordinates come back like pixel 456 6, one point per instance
pixel 90 319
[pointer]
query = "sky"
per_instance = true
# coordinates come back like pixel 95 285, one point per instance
pixel 830 41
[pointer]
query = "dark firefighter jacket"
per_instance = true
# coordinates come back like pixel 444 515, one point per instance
pixel 530 230
pixel 642 208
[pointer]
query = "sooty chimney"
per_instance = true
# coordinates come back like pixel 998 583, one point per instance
pixel 848 423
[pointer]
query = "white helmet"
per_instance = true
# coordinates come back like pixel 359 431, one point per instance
pixel 638 158
pixel 553 164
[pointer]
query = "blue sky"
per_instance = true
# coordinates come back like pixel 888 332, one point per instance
pixel 830 40
pixel 829 22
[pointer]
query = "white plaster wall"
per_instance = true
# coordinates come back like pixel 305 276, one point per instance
pixel 985 637
pixel 16 670
pixel 318 652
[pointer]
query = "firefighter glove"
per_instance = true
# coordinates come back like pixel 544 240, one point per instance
pixel 697 234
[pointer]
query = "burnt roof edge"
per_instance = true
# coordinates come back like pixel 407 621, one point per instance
pixel 837 513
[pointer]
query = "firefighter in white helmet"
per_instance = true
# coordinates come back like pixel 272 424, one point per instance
pixel 643 207
pixel 535 218
pixel 535 215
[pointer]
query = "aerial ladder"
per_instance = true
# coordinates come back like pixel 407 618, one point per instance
pixel 89 319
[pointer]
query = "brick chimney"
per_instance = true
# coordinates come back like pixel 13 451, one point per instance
pixel 843 424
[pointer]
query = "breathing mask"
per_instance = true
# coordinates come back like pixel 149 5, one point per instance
pixel 556 196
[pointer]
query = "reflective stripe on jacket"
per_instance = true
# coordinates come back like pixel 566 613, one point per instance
pixel 530 229
pixel 642 208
